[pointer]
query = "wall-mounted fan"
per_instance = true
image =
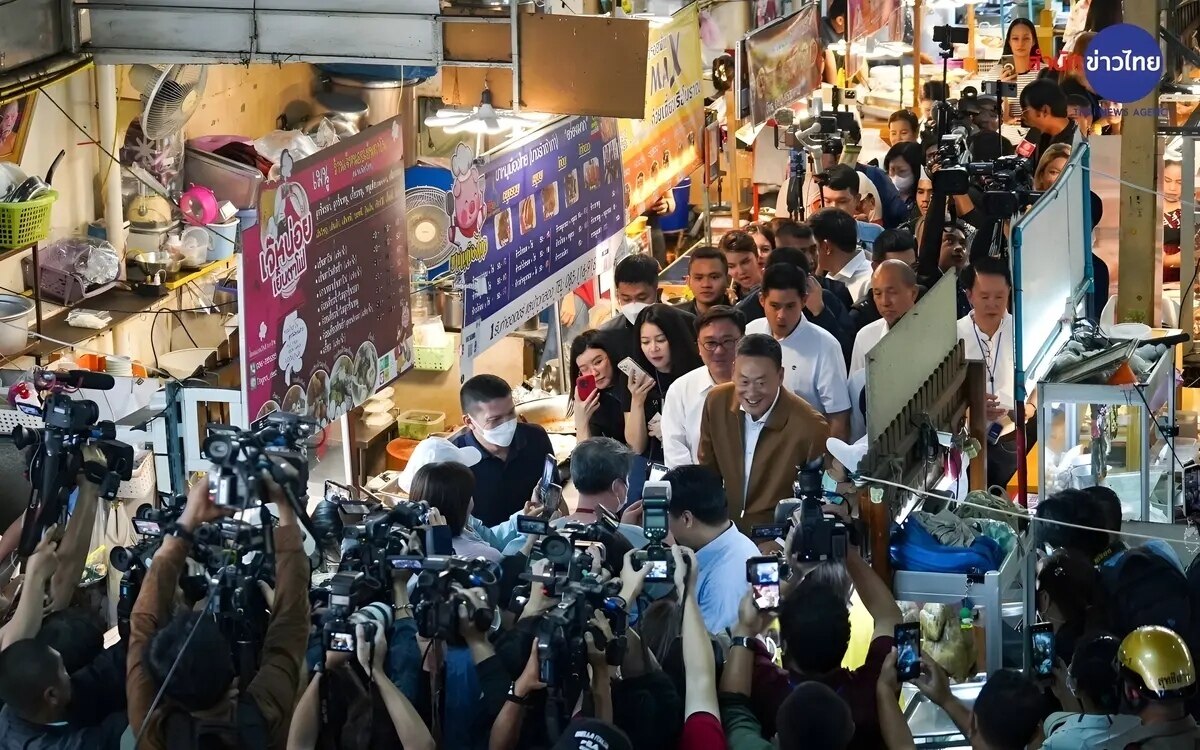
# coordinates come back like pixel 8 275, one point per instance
pixel 170 95
pixel 428 210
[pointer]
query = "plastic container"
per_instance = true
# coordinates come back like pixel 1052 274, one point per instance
pixel 399 451
pixel 434 358
pixel 419 424
pixel 224 239
pixel 27 222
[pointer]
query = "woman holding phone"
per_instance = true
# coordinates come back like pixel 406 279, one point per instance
pixel 1021 61
pixel 666 351
pixel 600 396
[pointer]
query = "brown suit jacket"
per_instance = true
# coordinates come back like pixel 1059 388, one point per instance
pixel 795 434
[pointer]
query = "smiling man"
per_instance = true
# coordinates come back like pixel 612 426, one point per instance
pixel 754 433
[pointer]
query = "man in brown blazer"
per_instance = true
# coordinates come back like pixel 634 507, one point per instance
pixel 755 433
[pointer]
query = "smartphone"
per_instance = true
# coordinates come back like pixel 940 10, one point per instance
pixel 629 367
pixel 439 540
pixel 762 573
pixel 549 474
pixel 406 562
pixel 657 471
pixel 585 386
pixel 551 499
pixel 908 651
pixel 532 525
pixel 355 509
pixel 1042 635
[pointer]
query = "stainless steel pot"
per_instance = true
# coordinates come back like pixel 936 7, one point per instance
pixel 384 98
pixel 14 323
pixel 450 307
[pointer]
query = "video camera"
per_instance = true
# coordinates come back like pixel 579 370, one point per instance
pixel 70 426
pixel 818 536
pixel 438 596
pixel 349 607
pixel 241 457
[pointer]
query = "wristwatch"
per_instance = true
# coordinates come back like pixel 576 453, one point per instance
pixel 743 641
pixel 520 700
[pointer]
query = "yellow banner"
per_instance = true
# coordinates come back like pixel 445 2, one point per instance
pixel 658 151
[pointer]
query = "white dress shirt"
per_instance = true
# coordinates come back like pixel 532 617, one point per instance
pixel 997 354
pixel 750 434
pixel 682 411
pixel 814 367
pixel 870 335
pixel 856 275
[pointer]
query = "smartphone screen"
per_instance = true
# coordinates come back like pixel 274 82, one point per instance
pixel 908 650
pixel 763 575
pixel 551 499
pixel 549 473
pixel 531 525
pixel 358 509
pixel 1042 636
pixel 656 472
pixel 341 642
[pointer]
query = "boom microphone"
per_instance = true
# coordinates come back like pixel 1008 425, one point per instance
pixel 96 381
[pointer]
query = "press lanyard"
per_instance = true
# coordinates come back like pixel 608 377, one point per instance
pixel 990 354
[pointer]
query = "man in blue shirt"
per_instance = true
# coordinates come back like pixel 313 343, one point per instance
pixel 513 452
pixel 699 516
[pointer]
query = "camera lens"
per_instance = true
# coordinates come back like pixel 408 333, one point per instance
pixel 120 558
pixel 218 447
pixel 557 549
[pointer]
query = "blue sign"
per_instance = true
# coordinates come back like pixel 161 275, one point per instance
pixel 1124 63
pixel 553 204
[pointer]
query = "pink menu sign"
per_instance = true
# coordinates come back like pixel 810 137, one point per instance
pixel 323 288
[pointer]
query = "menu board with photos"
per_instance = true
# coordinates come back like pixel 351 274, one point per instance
pixel 554 201
pixel 324 289
pixel 783 63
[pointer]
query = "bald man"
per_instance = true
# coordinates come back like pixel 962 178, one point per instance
pixel 894 290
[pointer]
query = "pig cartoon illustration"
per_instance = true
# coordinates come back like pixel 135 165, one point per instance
pixel 469 209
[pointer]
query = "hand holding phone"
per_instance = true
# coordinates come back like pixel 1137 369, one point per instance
pixel 585 386
pixel 762 573
pixel 908 651
pixel 1042 635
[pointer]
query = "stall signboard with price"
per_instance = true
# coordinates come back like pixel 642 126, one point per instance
pixel 661 149
pixel 323 285
pixel 783 62
pixel 555 217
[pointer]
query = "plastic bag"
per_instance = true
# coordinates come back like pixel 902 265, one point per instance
pixel 273 144
pixel 93 259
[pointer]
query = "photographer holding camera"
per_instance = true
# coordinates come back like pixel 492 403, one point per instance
pixel 181 674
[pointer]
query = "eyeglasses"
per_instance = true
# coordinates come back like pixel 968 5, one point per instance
pixel 709 345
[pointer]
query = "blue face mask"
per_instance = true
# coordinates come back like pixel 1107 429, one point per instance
pixel 827 483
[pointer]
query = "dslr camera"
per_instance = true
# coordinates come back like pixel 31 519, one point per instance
pixel 438 596
pixel 347 594
pixel 240 457
pixel 656 501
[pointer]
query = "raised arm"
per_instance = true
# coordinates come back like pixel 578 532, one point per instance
pixel 73 551
pixel 699 665
pixel 39 569
pixel 874 593
pixel 506 732
pixel 892 725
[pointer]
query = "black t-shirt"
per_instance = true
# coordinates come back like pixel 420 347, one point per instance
pixel 1068 135
pixel 653 406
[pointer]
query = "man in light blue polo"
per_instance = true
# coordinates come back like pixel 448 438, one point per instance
pixel 699 517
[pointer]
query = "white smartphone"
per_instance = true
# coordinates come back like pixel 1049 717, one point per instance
pixel 628 366
pixel 656 419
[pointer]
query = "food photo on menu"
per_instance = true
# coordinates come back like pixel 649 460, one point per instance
pixel 550 200
pixel 503 227
pixel 572 180
pixel 591 173
pixel 528 217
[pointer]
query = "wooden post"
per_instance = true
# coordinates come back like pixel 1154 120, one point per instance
pixel 977 423
pixel 918 18
pixel 732 123
pixel 1139 228
pixel 878 520
pixel 970 64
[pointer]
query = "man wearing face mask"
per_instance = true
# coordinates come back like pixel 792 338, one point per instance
pixel 513 453
pixel 636 280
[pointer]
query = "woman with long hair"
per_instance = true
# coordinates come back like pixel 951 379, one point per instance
pixel 1051 166
pixel 448 487
pixel 666 351
pixel 600 413
pixel 1021 44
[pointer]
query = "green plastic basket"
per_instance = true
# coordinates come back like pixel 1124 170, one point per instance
pixel 22 224
pixel 434 358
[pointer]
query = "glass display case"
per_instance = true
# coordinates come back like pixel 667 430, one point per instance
pixel 1117 436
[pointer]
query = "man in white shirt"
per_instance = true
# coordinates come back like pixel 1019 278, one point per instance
pixel 838 255
pixel 894 291
pixel 813 363
pixel 718 332
pixel 987 335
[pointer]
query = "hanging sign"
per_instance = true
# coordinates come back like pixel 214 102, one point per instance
pixel 323 287
pixel 783 62
pixel 661 149
pixel 554 208
pixel 869 17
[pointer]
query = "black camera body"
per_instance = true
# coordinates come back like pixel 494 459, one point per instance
pixel 819 537
pixel 656 503
pixel 439 595
pixel 562 648
pixel 240 457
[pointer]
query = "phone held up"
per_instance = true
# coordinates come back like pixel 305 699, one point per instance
pixel 1042 636
pixel 908 651
pixel 585 386
pixel 762 573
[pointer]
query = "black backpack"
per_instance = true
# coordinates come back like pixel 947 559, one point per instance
pixel 1146 589
pixel 182 731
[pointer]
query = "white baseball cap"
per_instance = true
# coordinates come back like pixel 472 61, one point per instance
pixel 436 450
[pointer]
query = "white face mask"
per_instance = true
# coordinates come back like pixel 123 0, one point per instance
pixel 631 310
pixel 903 184
pixel 501 436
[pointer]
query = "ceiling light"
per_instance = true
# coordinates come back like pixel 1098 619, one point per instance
pixel 484 119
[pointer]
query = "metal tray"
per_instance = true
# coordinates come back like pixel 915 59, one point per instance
pixel 229 180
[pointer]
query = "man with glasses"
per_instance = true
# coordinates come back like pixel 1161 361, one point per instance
pixel 718 332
